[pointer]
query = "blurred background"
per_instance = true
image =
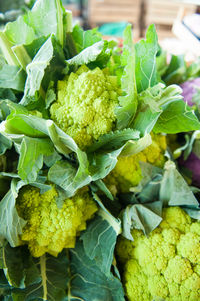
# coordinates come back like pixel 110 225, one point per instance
pixel 177 21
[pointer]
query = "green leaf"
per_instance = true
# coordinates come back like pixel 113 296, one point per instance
pixel 99 184
pixel 128 101
pixel 32 151
pixel 174 190
pixel 11 223
pixel 52 278
pixel 149 173
pixel 101 164
pixel 7 94
pixel 100 238
pixel 152 102
pixel 43 65
pixel 63 174
pixel 193 70
pixel 52 159
pixel 15 127
pixel 7 51
pixel 151 190
pixel 114 140
pixel 92 168
pixel 145 60
pixel 34 47
pixel 11 260
pixel 84 39
pixel 161 63
pixel 92 54
pixel 142 217
pixel 22 56
pixel 48 18
pixel 12 77
pixel 133 147
pixel 3 280
pixel 50 95
pixel 5 144
pixel 177 118
pixel 19 32
pixel 86 279
pixel 176 71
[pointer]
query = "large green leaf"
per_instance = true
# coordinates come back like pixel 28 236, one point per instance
pixel 12 262
pixel 100 238
pixel 6 93
pixel 12 77
pixel 177 118
pixel 143 217
pixel 176 71
pixel 86 279
pixel 84 39
pixel 135 146
pixel 5 144
pixel 92 168
pixel 4 288
pixel 48 18
pixel 174 189
pixel 47 279
pixel 145 60
pixel 11 223
pixel 32 152
pixel 40 67
pixel 19 32
pixel 128 101
pixel 95 53
pixel 114 140
pixel 63 174
pixel 152 102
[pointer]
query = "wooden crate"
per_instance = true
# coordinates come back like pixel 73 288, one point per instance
pixel 163 13
pixel 106 11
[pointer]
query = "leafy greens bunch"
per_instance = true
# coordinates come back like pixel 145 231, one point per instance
pixel 74 109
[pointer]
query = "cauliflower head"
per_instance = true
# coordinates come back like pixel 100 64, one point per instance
pixel 85 105
pixel 50 228
pixel 127 172
pixel 165 265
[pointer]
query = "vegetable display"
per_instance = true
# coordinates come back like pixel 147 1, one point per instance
pixel 99 197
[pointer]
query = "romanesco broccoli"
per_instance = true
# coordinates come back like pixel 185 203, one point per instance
pixel 127 172
pixel 85 105
pixel 165 265
pixel 49 228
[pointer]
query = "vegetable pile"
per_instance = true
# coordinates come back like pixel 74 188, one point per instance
pixel 98 182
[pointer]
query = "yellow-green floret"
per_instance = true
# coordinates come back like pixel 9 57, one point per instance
pixel 50 228
pixel 85 105
pixel 127 172
pixel 165 265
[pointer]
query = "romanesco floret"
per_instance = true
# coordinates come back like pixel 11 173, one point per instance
pixel 165 265
pixel 127 172
pixel 50 228
pixel 85 105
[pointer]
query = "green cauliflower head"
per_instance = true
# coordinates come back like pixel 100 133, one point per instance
pixel 85 105
pixel 127 172
pixel 165 265
pixel 50 228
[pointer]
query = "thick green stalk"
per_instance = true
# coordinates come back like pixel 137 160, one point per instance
pixel 68 18
pixel 6 48
pixel 22 56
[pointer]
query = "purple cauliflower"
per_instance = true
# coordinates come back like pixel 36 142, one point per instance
pixel 192 164
pixel 191 95
pixel 190 89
